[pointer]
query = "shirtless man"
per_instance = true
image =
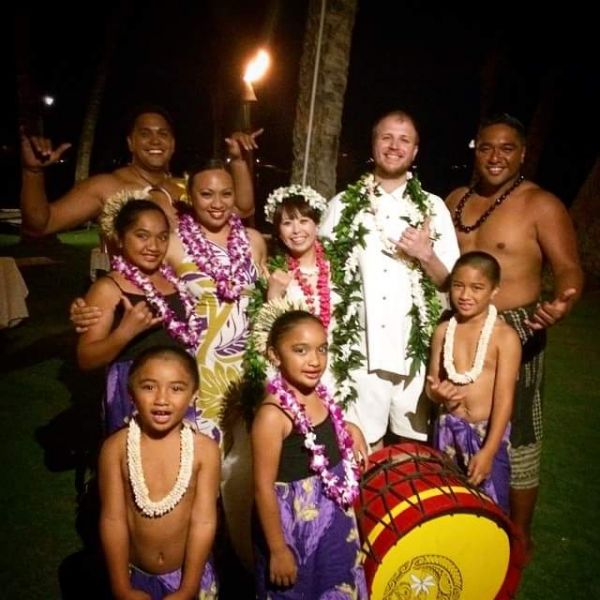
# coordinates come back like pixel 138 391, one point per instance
pixel 151 142
pixel 522 226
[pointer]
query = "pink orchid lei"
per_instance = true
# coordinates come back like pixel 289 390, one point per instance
pixel 344 493
pixel 323 290
pixel 230 278
pixel 187 332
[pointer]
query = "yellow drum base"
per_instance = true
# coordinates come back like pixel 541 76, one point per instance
pixel 451 557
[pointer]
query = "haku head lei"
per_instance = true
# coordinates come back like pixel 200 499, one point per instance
pixel 276 197
pixel 114 205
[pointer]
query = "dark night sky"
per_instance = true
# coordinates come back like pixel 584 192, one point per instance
pixel 423 56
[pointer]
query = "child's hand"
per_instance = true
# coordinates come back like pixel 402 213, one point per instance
pixel 359 446
pixel 137 318
pixel 82 315
pixel 445 392
pixel 282 568
pixel 480 467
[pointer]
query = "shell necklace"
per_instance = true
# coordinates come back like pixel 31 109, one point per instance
pixel 148 507
pixel 482 345
pixel 158 186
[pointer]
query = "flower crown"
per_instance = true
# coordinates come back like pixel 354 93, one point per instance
pixel 114 205
pixel 256 365
pixel 276 197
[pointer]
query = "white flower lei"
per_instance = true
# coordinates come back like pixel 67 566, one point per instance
pixel 276 197
pixel 415 218
pixel 482 345
pixel 148 507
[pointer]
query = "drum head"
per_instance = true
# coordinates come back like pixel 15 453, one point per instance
pixel 427 533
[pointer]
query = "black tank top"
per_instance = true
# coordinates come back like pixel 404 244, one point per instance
pixel 294 462
pixel 154 336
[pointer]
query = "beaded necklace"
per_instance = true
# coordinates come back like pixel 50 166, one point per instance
pixel 457 215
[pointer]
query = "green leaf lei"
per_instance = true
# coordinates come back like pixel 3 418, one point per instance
pixel 349 237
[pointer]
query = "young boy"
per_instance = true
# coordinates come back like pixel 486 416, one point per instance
pixel 472 373
pixel 158 487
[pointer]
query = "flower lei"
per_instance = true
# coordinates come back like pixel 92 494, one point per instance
pixel 482 345
pixel 276 197
pixel 342 493
pixel 141 494
pixel 187 332
pixel 349 237
pixel 230 279
pixel 323 292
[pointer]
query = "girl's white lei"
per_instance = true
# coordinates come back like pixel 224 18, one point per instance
pixel 141 495
pixel 482 345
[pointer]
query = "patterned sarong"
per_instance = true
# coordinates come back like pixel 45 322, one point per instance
pixel 461 440
pixel 324 541
pixel 158 586
pixel 527 428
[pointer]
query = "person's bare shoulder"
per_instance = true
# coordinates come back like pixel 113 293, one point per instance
pixel 455 195
pixel 505 336
pixel 114 445
pixel 541 202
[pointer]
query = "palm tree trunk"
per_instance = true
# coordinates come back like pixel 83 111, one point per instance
pixel 331 82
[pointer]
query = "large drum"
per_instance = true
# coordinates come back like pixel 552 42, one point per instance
pixel 428 534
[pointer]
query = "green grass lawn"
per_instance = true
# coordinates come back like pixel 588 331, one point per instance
pixel 50 426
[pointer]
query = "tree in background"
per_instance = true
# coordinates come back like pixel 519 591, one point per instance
pixel 332 77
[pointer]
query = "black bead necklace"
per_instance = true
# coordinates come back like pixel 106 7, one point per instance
pixel 457 215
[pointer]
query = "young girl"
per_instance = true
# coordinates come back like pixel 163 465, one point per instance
pixel 142 302
pixel 305 474
pixel 472 373
pixel 158 487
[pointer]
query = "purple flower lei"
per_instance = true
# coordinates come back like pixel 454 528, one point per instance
pixel 230 278
pixel 187 332
pixel 343 493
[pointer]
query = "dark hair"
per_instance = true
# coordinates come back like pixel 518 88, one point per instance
pixel 212 164
pixel 166 352
pixel 294 205
pixel 145 109
pixel 503 119
pixel 131 211
pixel 400 115
pixel 286 322
pixel 481 261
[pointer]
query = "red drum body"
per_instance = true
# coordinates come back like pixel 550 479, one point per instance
pixel 427 534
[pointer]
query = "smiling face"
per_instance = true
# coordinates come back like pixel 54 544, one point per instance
pixel 301 354
pixel 394 147
pixel 471 291
pixel 298 233
pixel 162 388
pixel 499 154
pixel 145 241
pixel 213 198
pixel 151 142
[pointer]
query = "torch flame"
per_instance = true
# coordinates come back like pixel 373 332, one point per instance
pixel 257 67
